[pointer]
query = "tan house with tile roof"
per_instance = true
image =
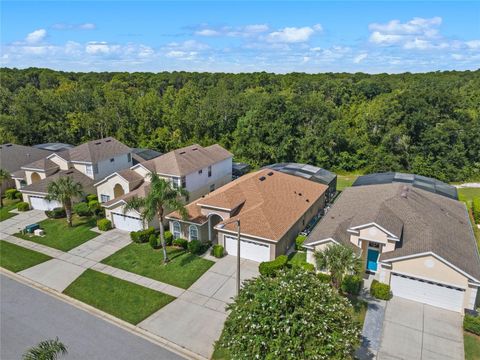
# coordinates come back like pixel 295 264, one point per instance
pixel 197 169
pixel 418 242
pixel 272 207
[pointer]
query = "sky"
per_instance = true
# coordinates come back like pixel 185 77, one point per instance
pixel 241 36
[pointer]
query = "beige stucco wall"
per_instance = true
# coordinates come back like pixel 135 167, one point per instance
pixel 29 173
pixel 60 162
pixel 142 171
pixel 204 190
pixel 185 230
pixel 372 233
pixel 107 187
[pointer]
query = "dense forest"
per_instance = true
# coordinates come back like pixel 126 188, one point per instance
pixel 423 123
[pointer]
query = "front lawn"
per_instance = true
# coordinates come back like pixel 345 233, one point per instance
pixel 467 195
pixel 344 181
pixel 183 269
pixel 60 236
pixel 472 346
pixel 8 205
pixel 120 298
pixel 16 258
pixel 359 308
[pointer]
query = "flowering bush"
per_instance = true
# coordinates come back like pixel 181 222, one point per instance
pixel 291 316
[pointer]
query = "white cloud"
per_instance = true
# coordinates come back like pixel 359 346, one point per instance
pixel 239 31
pixel 359 58
pixel 36 36
pixel 87 26
pixel 292 34
pixel 66 26
pixel 473 44
pixel 100 47
pixel 256 28
pixel 207 32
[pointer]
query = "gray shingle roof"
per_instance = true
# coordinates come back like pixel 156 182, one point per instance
pixel 428 222
pixel 42 185
pixel 97 150
pixel 13 156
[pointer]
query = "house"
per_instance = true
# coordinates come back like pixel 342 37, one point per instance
pixel 13 157
pixel 85 163
pixel 420 243
pixel 312 173
pixel 197 169
pixel 272 207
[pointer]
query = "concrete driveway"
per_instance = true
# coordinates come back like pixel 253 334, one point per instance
pixel 195 319
pixel 413 330
pixel 17 223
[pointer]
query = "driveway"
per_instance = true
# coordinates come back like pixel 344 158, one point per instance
pixel 413 330
pixel 195 319
pixel 18 222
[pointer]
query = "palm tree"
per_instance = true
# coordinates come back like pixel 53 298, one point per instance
pixel 65 190
pixel 4 176
pixel 161 196
pixel 46 350
pixel 338 260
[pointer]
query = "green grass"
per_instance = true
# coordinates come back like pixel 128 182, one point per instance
pixel 467 195
pixel 472 346
pixel 297 258
pixel 60 236
pixel 16 258
pixel 5 209
pixel 120 298
pixel 344 181
pixel 182 270
pixel 359 308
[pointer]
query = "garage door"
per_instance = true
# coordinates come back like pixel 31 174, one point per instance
pixel 428 292
pixel 39 203
pixel 248 249
pixel 127 223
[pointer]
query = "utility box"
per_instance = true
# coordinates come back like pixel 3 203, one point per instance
pixel 39 232
pixel 31 228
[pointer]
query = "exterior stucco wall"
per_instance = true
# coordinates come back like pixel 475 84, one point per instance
pixel 64 165
pixel 107 187
pixel 29 173
pixel 372 233
pixel 185 230
pixel 204 188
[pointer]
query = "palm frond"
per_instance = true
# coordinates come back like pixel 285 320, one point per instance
pixel 46 350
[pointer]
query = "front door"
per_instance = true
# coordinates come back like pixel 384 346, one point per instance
pixel 372 257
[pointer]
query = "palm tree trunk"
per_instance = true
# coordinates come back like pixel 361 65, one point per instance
pixel 162 237
pixel 68 211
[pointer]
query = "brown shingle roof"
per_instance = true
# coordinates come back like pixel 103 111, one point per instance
pixel 13 157
pixel 42 185
pixel 134 179
pixel 96 150
pixel 42 164
pixel 267 208
pixel 186 160
pixel 141 191
pixel 430 222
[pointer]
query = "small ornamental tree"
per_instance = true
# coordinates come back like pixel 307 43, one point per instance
pixel 291 316
pixel 338 260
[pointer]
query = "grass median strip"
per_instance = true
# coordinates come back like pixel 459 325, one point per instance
pixel 182 271
pixel 8 205
pixel 120 298
pixel 16 258
pixel 60 236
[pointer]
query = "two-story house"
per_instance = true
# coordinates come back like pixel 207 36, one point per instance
pixel 85 163
pixel 197 169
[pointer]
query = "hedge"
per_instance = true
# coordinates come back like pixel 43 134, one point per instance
pixel 82 209
pixel 299 242
pixel 104 224
pixel 195 247
pixel 308 267
pixel 324 278
pixel 142 236
pixel 181 243
pixel 11 194
pixel 472 324
pixel 154 242
pixel 56 213
pixel 352 284
pixel 23 206
pixel 380 291
pixel 218 251
pixel 269 268
pixel 167 235
pixel 476 209
pixel 19 195
pixel 91 197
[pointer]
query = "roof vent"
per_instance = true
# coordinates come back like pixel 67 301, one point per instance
pixel 8 145
pixel 69 172
pixel 262 178
pixel 270 173
pixel 98 143
pixel 307 200
pixel 194 149
pixel 108 140
pixel 404 193
pixel 299 194
pixel 182 152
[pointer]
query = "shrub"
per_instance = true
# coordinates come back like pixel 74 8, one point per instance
pixel 181 243
pixel 269 268
pixel 23 206
pixel 82 209
pixel 93 204
pixel 104 224
pixel 476 209
pixel 380 291
pixel 91 197
pixel 352 284
pixel 259 325
pixel 57 213
pixel 218 251
pixel 195 247
pixel 19 195
pixel 134 236
pixel 324 278
pixel 11 193
pixel 142 236
pixel 153 241
pixel 308 267
pixel 299 242
pixel 472 324
pixel 167 235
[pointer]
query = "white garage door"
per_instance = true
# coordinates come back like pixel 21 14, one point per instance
pixel 39 203
pixel 248 249
pixel 427 292
pixel 127 223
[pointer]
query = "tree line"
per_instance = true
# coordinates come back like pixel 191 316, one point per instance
pixel 426 123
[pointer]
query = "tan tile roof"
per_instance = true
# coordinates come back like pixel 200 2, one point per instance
pixel 267 208
pixel 181 162
pixel 77 176
pixel 13 157
pixel 97 150
pixel 42 164
pixel 428 222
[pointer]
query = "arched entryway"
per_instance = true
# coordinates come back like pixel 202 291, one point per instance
pixel 118 190
pixel 35 177
pixel 213 219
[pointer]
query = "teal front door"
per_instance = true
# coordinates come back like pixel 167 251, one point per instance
pixel 372 257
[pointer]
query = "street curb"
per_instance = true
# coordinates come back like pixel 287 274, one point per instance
pixel 155 339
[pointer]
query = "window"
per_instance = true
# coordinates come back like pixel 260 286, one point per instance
pixel 129 157
pixel 184 182
pixel 193 232
pixel 112 159
pixel 23 183
pixel 212 187
pixel 89 169
pixel 176 230
pixel 104 198
pixel 200 171
pixel 209 171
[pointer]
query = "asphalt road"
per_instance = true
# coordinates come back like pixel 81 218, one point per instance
pixel 29 316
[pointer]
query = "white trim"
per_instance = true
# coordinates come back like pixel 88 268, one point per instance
pixel 244 234
pixel 55 154
pixel 376 225
pixel 435 256
pixel 38 169
pixel 83 162
pixel 214 207
pixel 173 229
pixel 458 287
pixel 318 242
pixel 112 204
pixel 108 178
pixel 371 240
pixel 190 234
pixel 33 192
